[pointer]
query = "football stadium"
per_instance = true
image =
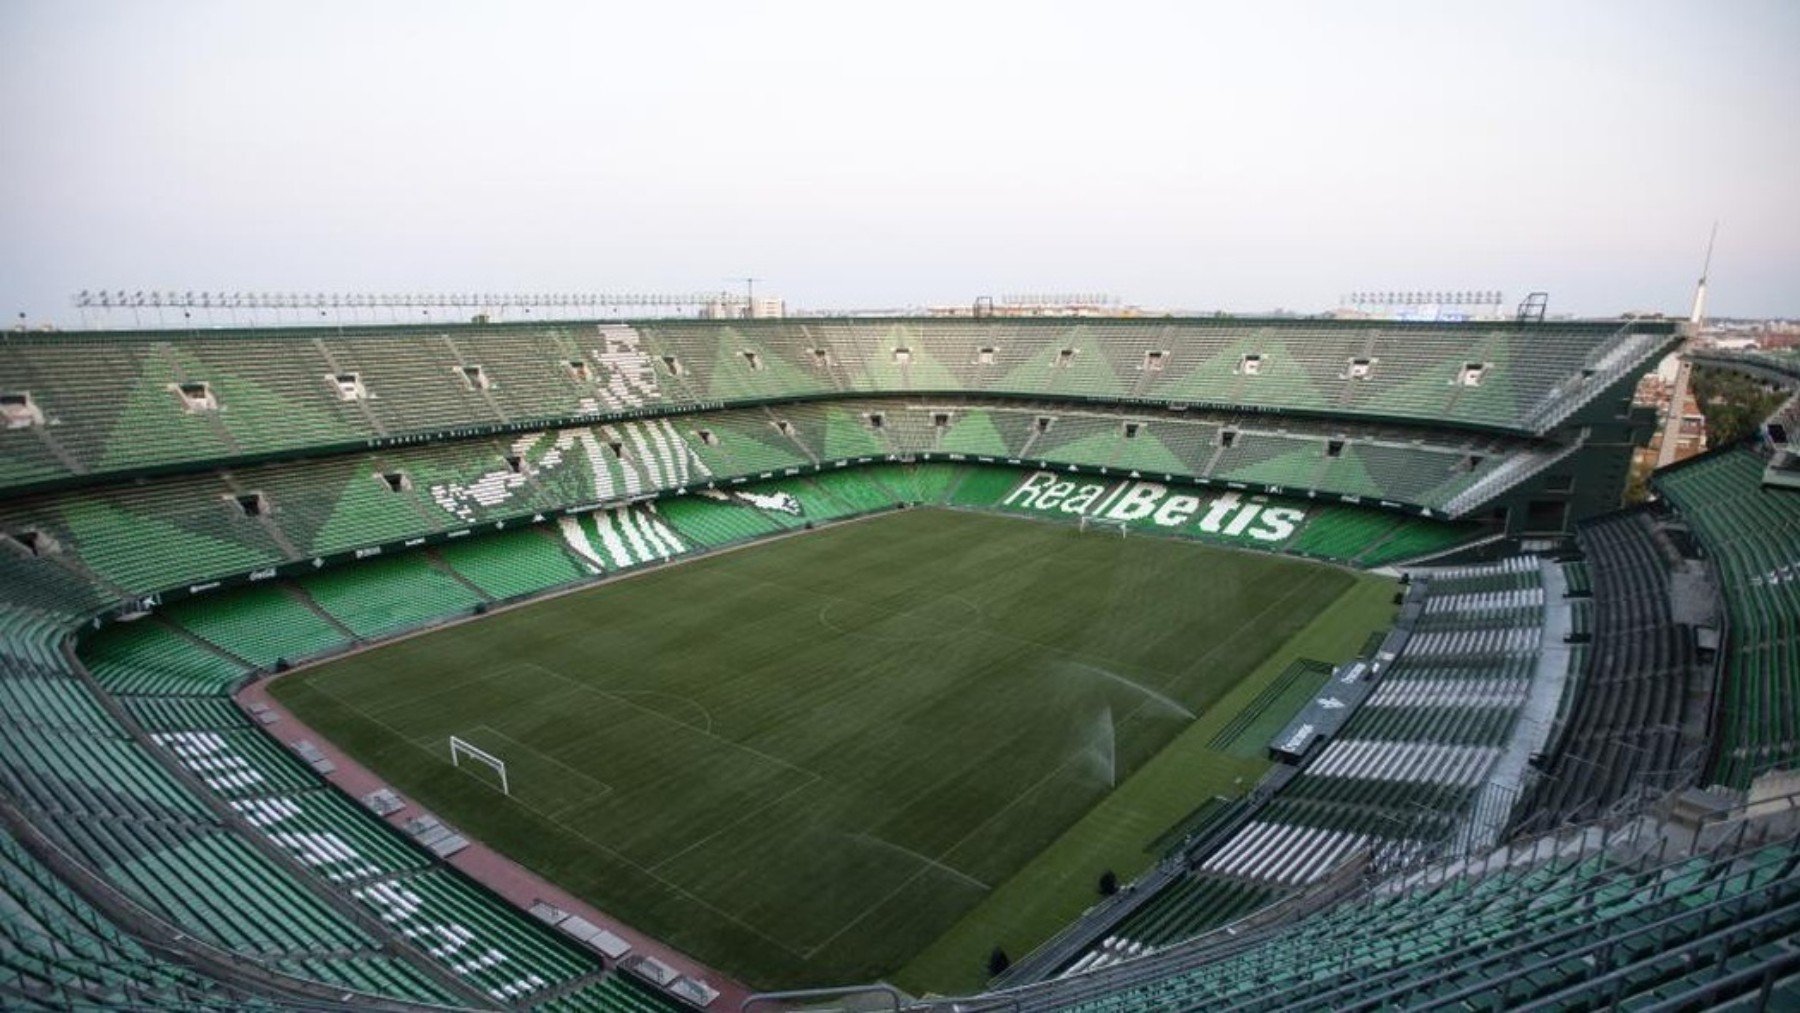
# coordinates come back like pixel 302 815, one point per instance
pixel 890 662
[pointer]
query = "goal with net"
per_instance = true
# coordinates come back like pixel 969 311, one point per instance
pixel 460 748
pixel 1095 524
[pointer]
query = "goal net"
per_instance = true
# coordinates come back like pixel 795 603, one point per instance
pixel 460 748
pixel 1105 527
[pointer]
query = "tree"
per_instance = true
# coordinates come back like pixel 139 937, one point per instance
pixel 1109 883
pixel 1734 405
pixel 998 962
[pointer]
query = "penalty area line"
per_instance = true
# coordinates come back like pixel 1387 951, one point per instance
pixel 605 789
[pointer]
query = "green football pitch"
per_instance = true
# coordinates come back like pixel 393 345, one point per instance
pixel 806 761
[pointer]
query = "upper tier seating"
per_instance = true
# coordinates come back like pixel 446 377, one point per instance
pixel 113 402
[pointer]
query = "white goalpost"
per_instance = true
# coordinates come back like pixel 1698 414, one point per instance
pixel 1088 522
pixel 460 748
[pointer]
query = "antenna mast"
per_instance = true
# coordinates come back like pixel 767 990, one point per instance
pixel 1698 316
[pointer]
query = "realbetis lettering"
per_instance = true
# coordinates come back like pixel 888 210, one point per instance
pixel 1230 514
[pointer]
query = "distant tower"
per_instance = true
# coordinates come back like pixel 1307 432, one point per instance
pixel 1675 413
pixel 1698 316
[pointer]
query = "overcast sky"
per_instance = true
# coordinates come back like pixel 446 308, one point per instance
pixel 1242 156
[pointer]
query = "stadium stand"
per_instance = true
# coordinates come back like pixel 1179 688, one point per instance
pixel 1401 779
pixel 128 556
pixel 104 798
pixel 1584 919
pixel 200 825
pixel 261 625
pixel 701 520
pixel 513 564
pixel 197 398
pixel 1634 723
pixel 160 533
pixel 1752 534
pixel 388 594
pixel 61 953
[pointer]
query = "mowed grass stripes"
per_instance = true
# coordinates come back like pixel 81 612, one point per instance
pixel 803 762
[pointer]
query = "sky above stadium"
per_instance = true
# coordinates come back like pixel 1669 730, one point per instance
pixel 1243 157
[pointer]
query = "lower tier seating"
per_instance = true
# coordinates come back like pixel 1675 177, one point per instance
pixel 260 625
pixel 388 594
pixel 58 952
pixel 254 857
pixel 1397 783
pixel 512 564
